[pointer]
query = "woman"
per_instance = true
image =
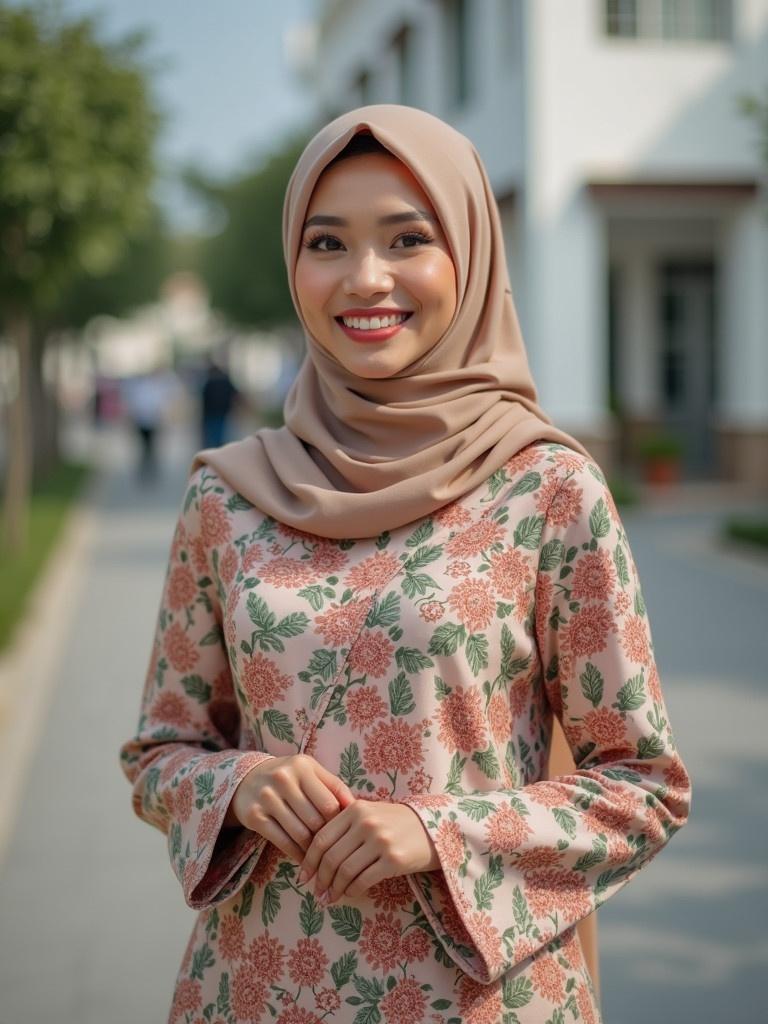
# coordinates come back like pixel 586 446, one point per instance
pixel 370 621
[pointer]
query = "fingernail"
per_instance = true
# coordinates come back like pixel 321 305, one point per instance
pixel 303 875
pixel 322 897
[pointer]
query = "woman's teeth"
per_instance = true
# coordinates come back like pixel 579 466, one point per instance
pixel 364 323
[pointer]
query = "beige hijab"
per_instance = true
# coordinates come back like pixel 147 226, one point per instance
pixel 359 456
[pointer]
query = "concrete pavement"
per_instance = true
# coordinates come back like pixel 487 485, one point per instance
pixel 92 924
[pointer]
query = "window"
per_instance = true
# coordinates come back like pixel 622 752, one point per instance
pixel 456 21
pixel 403 47
pixel 362 87
pixel 669 19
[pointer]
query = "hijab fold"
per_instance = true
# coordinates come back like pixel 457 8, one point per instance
pixel 358 456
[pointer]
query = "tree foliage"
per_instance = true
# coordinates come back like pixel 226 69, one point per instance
pixel 243 265
pixel 78 125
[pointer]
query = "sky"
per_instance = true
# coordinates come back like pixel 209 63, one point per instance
pixel 224 83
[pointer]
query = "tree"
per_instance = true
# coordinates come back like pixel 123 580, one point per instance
pixel 243 265
pixel 77 131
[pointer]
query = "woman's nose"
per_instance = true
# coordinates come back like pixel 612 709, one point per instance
pixel 369 275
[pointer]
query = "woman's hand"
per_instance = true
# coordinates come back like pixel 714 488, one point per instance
pixel 286 800
pixel 365 843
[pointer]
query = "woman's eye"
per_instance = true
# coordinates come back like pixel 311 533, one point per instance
pixel 329 243
pixel 421 239
pixel 314 243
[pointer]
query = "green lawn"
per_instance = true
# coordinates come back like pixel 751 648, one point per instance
pixel 50 503
pixel 748 531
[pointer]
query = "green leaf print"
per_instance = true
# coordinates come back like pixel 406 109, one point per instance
pixel 592 684
pixel 422 557
pixel 565 820
pixel 381 541
pixel 201 959
pixel 487 882
pixel 517 992
pixel 222 1003
pixel 247 899
pixel 369 988
pixel 620 561
pixel 631 696
pixel 477 652
pixel 528 532
pixel 270 904
pixel 454 774
pixel 420 534
pixel 530 482
pixel 197 688
pixel 190 497
pixel 446 639
pixel 343 969
pixel 476 809
pixel 314 595
pixel 279 724
pixel 441 1004
pixel 520 910
pixel 496 481
pixel 204 783
pixel 175 837
pixel 347 922
pixel 212 637
pixel 596 855
pixel 649 747
pixel 599 520
pixel 237 503
pixel 417 584
pixel 310 915
pixel 386 613
pixel 551 556
pixel 292 625
pixel 507 650
pixel 441 689
pixel 351 769
pixel 639 603
pixel 487 761
pixel 411 659
pixel 401 700
pixel 323 664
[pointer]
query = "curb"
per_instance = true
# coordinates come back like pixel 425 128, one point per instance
pixel 28 667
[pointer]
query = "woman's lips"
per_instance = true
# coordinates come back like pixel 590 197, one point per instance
pixel 373 334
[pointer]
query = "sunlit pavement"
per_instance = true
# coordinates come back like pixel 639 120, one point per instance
pixel 92 924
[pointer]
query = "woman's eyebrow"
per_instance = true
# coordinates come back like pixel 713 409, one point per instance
pixel 390 218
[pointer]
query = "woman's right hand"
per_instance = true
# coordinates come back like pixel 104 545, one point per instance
pixel 286 800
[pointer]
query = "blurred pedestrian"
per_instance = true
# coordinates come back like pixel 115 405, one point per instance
pixel 146 398
pixel 218 396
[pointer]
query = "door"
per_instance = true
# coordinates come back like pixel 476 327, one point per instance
pixel 687 360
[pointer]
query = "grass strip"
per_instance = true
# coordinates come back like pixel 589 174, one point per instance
pixel 50 502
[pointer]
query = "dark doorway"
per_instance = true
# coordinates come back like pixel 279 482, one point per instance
pixel 687 359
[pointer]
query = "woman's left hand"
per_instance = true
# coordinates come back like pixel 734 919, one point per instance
pixel 368 841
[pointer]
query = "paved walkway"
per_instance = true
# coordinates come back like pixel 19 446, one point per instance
pixel 92 925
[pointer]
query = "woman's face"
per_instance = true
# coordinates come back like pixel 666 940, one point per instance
pixel 372 247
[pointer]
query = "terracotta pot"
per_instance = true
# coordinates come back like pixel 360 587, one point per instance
pixel 662 470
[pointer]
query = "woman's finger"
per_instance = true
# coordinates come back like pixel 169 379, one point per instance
pixel 278 807
pixel 334 859
pixel 324 839
pixel 340 790
pixel 277 835
pixel 349 871
pixel 323 804
pixel 371 875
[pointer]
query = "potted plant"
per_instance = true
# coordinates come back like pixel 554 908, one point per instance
pixel 661 455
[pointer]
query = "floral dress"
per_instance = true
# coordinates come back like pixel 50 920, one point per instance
pixel 422 666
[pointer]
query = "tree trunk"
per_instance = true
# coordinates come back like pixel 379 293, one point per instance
pixel 44 406
pixel 17 482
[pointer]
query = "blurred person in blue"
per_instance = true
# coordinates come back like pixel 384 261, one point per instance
pixel 218 398
pixel 146 399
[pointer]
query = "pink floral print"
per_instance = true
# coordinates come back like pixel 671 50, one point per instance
pixel 422 666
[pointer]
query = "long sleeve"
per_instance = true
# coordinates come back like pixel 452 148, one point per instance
pixel 185 760
pixel 520 865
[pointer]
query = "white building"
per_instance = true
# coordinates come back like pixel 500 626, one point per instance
pixel 631 188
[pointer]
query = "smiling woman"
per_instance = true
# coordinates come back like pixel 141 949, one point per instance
pixel 380 291
pixel 372 620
